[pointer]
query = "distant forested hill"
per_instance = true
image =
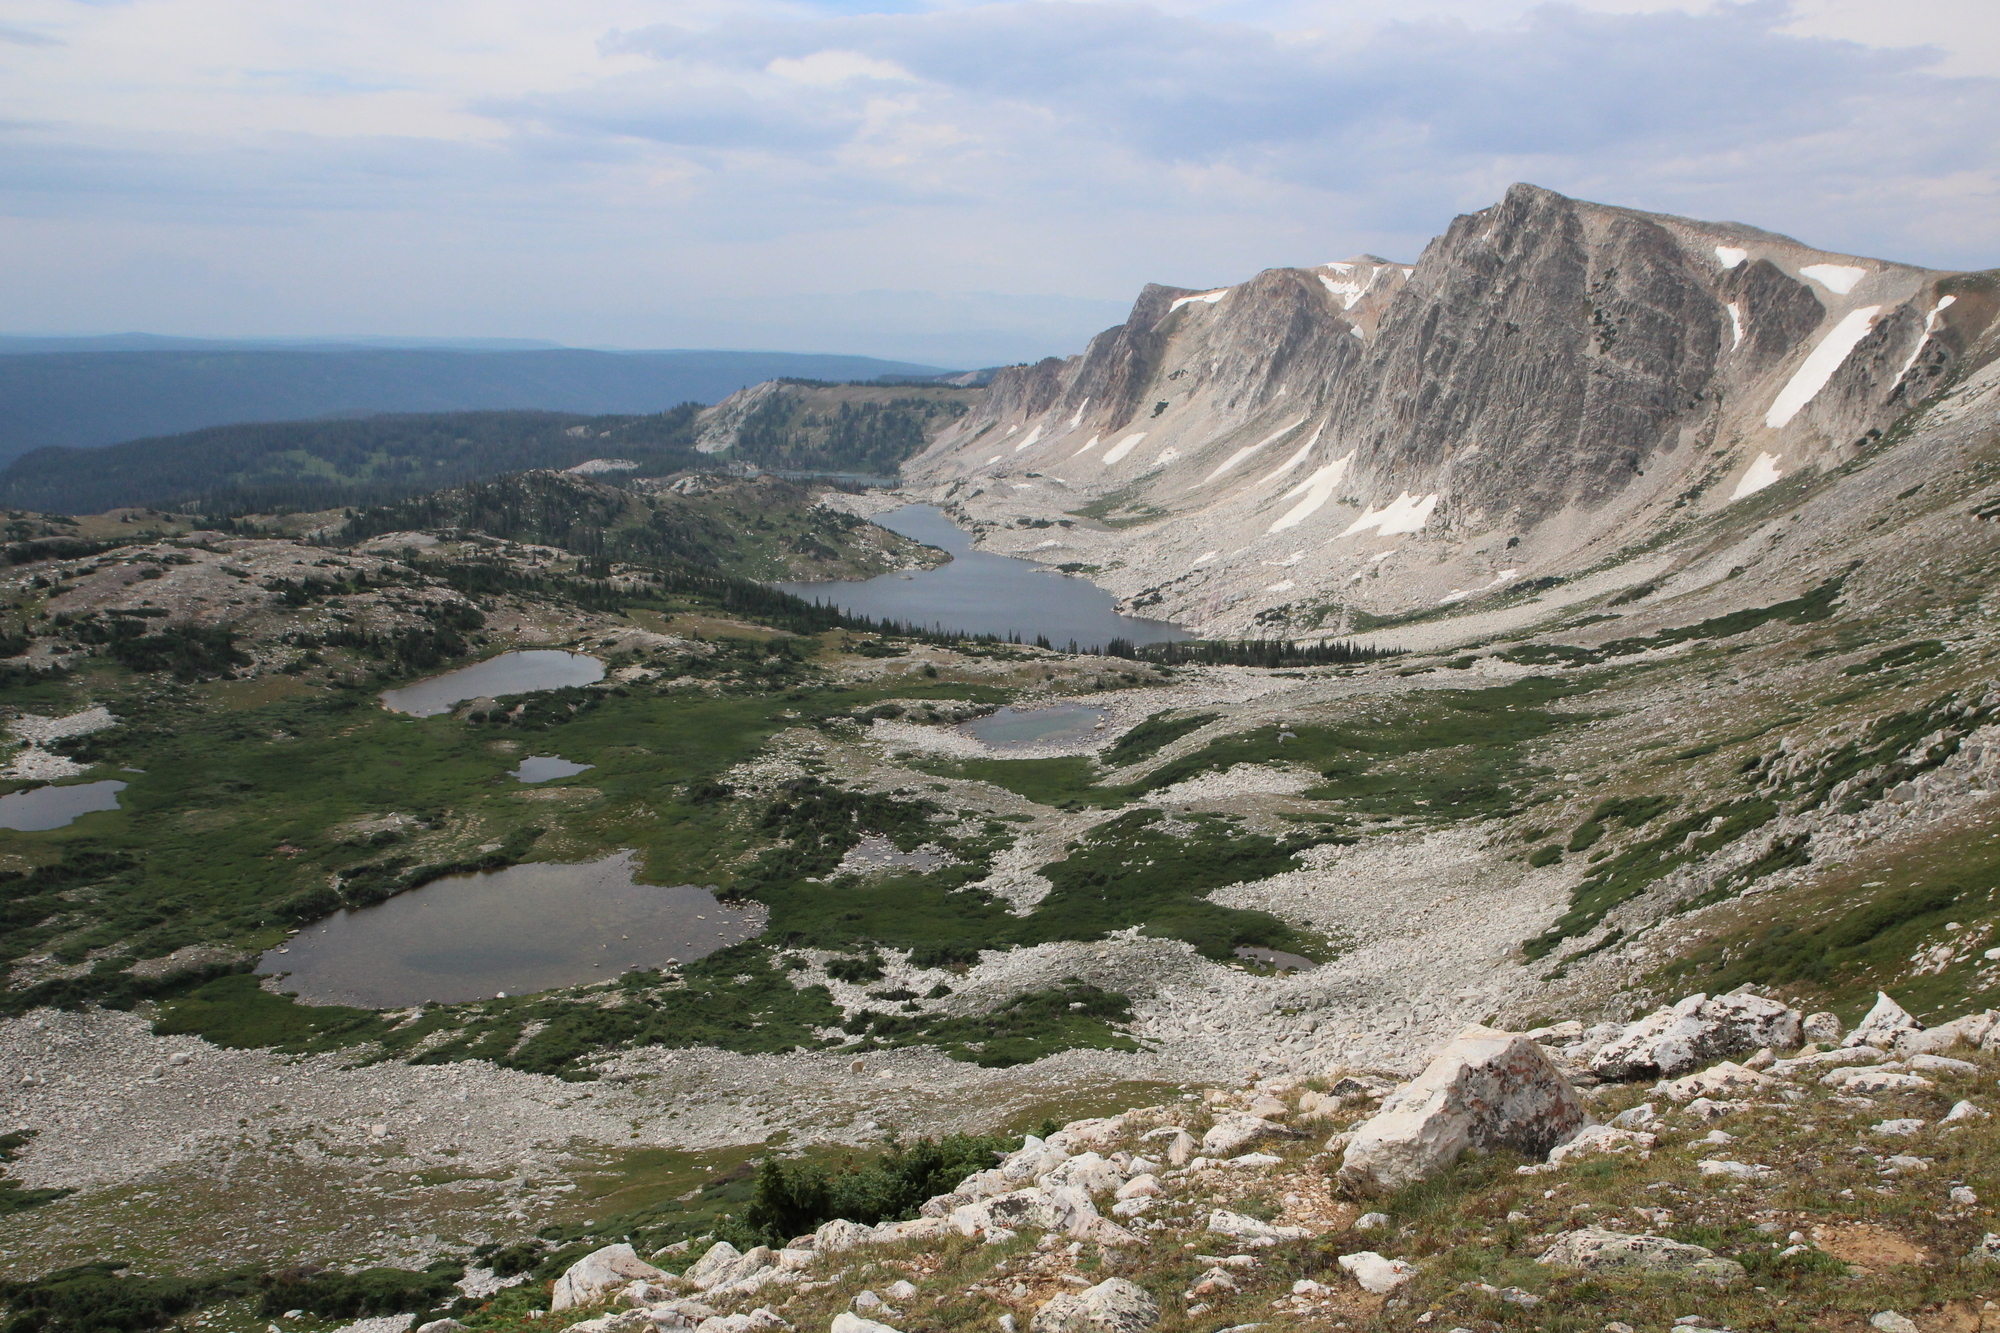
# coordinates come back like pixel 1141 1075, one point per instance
pixel 306 465
pixel 89 398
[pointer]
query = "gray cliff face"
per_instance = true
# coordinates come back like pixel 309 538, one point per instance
pixel 1539 357
pixel 1550 381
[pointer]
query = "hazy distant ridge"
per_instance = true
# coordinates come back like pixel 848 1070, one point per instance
pixel 102 397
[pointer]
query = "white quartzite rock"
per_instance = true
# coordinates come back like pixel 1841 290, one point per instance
pixel 1601 1139
pixel 599 1273
pixel 1250 1230
pixel 1821 1027
pixel 1112 1306
pixel 844 1322
pixel 1716 1081
pixel 1883 1025
pixel 1485 1090
pixel 1595 1250
pixel 759 1320
pixel 1695 1032
pixel 1232 1133
pixel 1972 1030
pixel 1377 1276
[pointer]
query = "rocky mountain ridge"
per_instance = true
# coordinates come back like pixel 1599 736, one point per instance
pixel 1552 389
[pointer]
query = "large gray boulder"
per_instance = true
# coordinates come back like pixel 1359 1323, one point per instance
pixel 600 1273
pixel 1698 1031
pixel 1112 1306
pixel 1594 1250
pixel 1485 1090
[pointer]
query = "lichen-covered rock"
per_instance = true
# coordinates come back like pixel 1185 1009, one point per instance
pixel 599 1273
pixel 1112 1306
pixel 1595 1250
pixel 1697 1031
pixel 1485 1090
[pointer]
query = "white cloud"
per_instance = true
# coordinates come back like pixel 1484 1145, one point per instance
pixel 640 171
pixel 828 68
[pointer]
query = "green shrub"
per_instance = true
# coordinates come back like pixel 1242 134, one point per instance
pixel 373 1291
pixel 794 1197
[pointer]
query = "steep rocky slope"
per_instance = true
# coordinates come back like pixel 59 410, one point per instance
pixel 1553 388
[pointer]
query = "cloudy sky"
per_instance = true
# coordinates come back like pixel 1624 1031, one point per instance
pixel 952 181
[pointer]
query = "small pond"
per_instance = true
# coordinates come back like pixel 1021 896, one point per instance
pixel 1036 726
pixel 1283 962
pixel 983 593
pixel 510 673
pixel 53 807
pixel 547 767
pixel 520 930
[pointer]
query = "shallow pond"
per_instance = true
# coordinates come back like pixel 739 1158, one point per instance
pixel 1036 726
pixel 546 768
pixel 1275 958
pixel 509 673
pixel 983 593
pixel 520 930
pixel 53 807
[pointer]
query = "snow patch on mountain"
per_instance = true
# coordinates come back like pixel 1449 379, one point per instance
pixel 1405 514
pixel 1819 365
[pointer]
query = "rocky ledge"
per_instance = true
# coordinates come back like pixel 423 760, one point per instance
pixel 1724 1163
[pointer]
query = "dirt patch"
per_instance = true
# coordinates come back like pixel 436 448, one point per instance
pixel 1868 1246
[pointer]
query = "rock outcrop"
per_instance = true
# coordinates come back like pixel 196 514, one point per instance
pixel 1485 1090
pixel 1112 1306
pixel 1697 1031
pixel 600 1273
pixel 1593 1250
pixel 1549 376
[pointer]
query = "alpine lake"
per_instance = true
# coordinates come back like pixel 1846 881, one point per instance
pixel 540 926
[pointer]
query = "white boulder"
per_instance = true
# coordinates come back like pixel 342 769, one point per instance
pixel 1971 1030
pixel 1602 1139
pixel 600 1273
pixel 1233 1133
pixel 1716 1081
pixel 1883 1024
pixel 847 1322
pixel 1112 1306
pixel 1138 1185
pixel 724 1266
pixel 1594 1250
pixel 1861 1078
pixel 841 1234
pixel 1377 1276
pixel 1485 1090
pixel 1251 1231
pixel 1697 1031
pixel 1087 1172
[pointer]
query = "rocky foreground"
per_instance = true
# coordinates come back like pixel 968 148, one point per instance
pixel 1724 1163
